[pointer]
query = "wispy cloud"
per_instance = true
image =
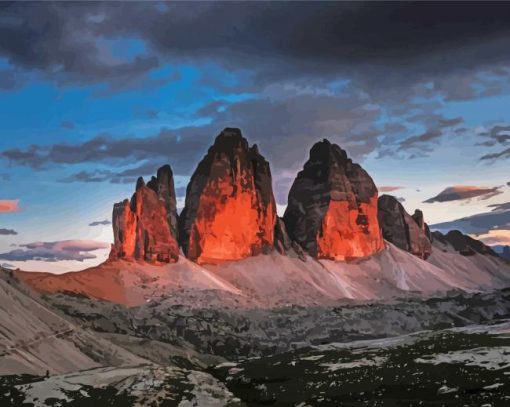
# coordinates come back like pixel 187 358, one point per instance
pixel 464 192
pixel 100 222
pixel 8 232
pixel 78 250
pixel 389 188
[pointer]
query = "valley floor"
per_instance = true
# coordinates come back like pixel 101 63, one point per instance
pixel 456 367
pixel 451 351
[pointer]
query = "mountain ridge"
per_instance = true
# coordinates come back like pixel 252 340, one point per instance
pixel 234 248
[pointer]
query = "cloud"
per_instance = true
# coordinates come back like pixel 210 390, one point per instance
pixel 401 199
pixel 494 156
pixel 283 128
pixel 497 135
pixel 8 232
pixel 67 125
pixel 478 224
pixel 115 177
pixel 495 237
pixel 389 188
pixel 60 43
pixel 285 125
pixel 500 207
pixel 463 192
pixel 78 250
pixel 7 205
pixel 8 266
pixel 402 42
pixel 180 191
pixel 5 176
pixel 180 147
pixel 100 222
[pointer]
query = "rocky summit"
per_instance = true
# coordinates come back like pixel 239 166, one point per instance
pixel 145 228
pixel 403 230
pixel 332 207
pixel 230 211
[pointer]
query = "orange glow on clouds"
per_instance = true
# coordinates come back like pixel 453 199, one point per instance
pixel 9 205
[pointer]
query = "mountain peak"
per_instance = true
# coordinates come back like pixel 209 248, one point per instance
pixel 230 212
pixel 332 207
pixel 146 227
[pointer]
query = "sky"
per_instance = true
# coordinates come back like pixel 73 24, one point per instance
pixel 93 95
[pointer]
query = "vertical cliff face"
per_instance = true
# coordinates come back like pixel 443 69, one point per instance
pixel 332 208
pixel 230 211
pixel 403 230
pixel 163 186
pixel 145 228
pixel 124 230
pixel 420 221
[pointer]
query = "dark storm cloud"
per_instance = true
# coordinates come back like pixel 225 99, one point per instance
pixel 462 192
pixel 498 135
pixel 60 41
pixel 287 127
pixel 88 176
pixel 284 128
pixel 177 147
pixel 8 232
pixel 390 53
pixel 66 40
pixel 78 250
pixel 420 139
pixel 437 127
pixel 115 177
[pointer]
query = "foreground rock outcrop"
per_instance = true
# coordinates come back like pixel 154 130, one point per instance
pixel 145 228
pixel 332 207
pixel 230 211
pixel 403 230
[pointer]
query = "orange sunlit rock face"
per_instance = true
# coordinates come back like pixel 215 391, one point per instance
pixel 230 211
pixel 124 229
pixel 343 236
pixel 142 227
pixel 332 208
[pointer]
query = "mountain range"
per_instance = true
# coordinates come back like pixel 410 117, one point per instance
pixel 337 239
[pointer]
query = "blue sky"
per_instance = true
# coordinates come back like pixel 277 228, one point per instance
pixel 100 79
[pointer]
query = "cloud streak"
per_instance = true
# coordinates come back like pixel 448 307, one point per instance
pixel 389 188
pixel 464 192
pixel 77 250
pixel 100 223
